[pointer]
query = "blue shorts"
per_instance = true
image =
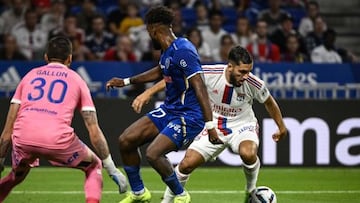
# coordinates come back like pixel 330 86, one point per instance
pixel 181 129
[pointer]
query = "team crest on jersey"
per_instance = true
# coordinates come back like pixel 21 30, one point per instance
pixel 167 62
pixel 183 63
pixel 240 97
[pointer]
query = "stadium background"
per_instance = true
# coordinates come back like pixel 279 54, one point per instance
pixel 322 149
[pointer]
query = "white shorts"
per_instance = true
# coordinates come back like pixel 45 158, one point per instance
pixel 209 151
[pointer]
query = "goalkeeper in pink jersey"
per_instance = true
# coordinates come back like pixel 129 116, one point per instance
pixel 38 125
pixel 231 88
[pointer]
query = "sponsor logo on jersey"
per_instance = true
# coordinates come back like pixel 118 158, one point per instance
pixel 167 62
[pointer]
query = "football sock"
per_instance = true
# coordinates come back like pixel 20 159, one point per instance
pixel 6 185
pixel 136 183
pixel 93 181
pixel 173 183
pixel 183 178
pixel 251 174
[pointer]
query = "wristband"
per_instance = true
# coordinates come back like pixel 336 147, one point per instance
pixel 127 81
pixel 209 125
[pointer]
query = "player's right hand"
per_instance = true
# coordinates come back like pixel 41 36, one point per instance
pixel 114 82
pixel 213 137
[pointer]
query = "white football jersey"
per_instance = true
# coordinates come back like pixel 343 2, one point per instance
pixel 232 106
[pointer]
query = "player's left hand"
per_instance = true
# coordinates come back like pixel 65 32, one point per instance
pixel 213 137
pixel 139 101
pixel 114 82
pixel 280 134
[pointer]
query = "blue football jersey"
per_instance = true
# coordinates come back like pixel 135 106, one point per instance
pixel 178 64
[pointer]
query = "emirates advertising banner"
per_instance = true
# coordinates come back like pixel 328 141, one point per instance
pixel 322 133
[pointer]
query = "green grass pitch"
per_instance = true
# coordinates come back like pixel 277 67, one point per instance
pixel 207 185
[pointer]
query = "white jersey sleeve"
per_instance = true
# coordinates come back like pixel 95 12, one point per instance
pixel 258 88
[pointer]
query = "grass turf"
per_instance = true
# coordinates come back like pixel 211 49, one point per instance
pixel 207 185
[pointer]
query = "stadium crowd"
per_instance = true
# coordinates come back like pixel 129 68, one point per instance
pixel 114 30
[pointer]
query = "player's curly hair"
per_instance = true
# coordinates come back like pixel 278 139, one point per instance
pixel 58 48
pixel 160 14
pixel 239 54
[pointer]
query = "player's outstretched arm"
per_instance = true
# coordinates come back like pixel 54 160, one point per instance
pixel 99 142
pixel 5 139
pixel 201 93
pixel 147 76
pixel 275 113
pixel 145 97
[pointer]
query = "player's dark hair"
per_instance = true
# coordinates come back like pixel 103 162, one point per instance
pixel 160 14
pixel 239 54
pixel 58 49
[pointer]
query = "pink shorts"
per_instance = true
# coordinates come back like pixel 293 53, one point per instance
pixel 76 152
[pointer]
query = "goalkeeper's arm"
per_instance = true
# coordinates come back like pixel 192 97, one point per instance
pixel 99 142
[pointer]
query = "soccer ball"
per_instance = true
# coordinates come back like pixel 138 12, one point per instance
pixel 262 194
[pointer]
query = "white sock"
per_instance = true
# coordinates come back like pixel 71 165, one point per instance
pixel 183 178
pixel 251 174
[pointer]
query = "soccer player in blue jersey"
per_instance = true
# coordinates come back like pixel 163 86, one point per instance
pixel 182 116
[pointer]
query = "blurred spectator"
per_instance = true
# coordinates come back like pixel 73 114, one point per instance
pixel 178 25
pixel 226 43
pixel 150 3
pixel 10 50
pixel 243 34
pixel 123 50
pixel 88 11
pixel 80 51
pixel 293 53
pixel 220 4
pixel 115 16
pixel 213 35
pixel 307 23
pixel 41 7
pixel 194 35
pixel 14 15
pixel 70 29
pixel 54 18
pixel 99 39
pixel 242 5
pixel 132 19
pixel 141 40
pixel 273 15
pixel 30 37
pixel 202 18
pixel 280 34
pixel 315 38
pixel 326 53
pixel 262 49
pixel 294 3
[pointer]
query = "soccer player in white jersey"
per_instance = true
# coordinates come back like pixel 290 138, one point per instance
pixel 38 125
pixel 231 88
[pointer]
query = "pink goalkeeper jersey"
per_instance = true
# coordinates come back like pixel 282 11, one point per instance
pixel 48 96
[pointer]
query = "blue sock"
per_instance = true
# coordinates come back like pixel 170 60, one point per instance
pixel 133 174
pixel 174 184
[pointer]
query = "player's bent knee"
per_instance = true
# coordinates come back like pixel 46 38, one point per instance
pixel 151 156
pixel 248 157
pixel 186 167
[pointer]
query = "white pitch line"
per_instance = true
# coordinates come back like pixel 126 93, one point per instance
pixel 194 192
